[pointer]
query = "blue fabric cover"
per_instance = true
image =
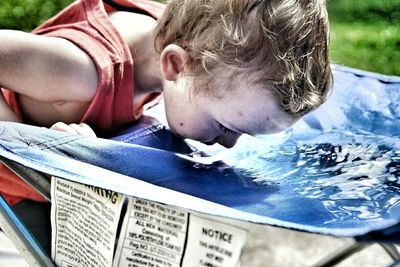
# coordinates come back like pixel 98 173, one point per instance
pixel 334 172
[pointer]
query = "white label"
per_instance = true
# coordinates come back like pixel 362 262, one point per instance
pixel 156 235
pixel 152 235
pixel 213 244
pixel 84 224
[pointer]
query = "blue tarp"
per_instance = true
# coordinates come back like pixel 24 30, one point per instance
pixel 335 172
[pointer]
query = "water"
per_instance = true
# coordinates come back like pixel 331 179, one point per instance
pixel 355 174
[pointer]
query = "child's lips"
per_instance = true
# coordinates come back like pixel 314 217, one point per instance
pixel 210 142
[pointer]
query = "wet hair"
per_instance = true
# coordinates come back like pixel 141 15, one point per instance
pixel 285 42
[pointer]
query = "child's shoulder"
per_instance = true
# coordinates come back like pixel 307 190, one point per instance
pixel 123 22
pixel 152 8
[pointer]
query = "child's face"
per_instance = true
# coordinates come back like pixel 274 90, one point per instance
pixel 242 107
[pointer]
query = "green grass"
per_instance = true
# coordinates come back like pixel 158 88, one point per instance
pixel 366 11
pixel 28 14
pixel 369 47
pixel 365 34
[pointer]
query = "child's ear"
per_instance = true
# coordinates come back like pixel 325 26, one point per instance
pixel 173 60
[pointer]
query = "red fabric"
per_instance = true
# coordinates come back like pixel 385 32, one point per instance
pixel 15 189
pixel 155 9
pixel 86 24
pixel 11 99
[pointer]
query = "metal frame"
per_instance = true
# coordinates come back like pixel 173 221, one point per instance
pixel 348 250
pixel 21 237
pixel 12 225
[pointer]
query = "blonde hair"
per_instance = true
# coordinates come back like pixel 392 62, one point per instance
pixel 284 41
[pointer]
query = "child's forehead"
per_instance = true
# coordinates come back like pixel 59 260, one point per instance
pixel 225 72
pixel 229 78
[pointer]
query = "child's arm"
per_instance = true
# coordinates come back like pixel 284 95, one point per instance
pixel 44 68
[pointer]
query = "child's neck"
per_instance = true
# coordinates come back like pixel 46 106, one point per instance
pixel 140 39
pixel 147 74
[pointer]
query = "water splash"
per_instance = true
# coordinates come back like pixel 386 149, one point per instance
pixel 354 174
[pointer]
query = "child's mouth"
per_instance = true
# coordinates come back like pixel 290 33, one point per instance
pixel 209 143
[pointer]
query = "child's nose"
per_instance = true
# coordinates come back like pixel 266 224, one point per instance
pixel 228 141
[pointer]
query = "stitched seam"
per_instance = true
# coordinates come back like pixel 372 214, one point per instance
pixel 50 143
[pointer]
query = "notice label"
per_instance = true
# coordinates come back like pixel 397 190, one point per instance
pixel 213 243
pixel 84 224
pixel 157 235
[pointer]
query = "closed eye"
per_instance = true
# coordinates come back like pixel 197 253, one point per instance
pixel 226 130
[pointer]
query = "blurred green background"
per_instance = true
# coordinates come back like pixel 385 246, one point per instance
pixel 365 34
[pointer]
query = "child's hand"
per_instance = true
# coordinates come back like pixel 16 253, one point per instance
pixel 80 129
